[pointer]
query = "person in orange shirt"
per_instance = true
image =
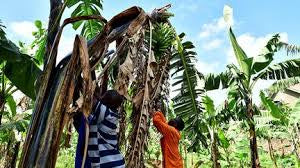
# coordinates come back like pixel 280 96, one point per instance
pixel 170 139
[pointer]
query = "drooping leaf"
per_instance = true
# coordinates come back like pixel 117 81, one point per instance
pixel 23 74
pixel 235 102
pixel 260 62
pixel 8 50
pixel 282 70
pixel 20 68
pixel 283 84
pixel 274 110
pixel 290 48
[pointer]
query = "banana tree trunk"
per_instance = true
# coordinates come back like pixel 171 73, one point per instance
pixel 58 84
pixel 11 154
pixel 295 148
pixel 271 152
pixel 253 143
pixel 295 140
pixel 214 150
pixel 43 137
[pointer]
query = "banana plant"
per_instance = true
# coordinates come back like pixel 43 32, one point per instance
pixel 267 124
pixel 90 28
pixel 241 79
pixel 17 71
pixel 213 119
pixel 290 48
pixel 10 120
pixel 6 91
pixel 288 119
pixel 19 68
pixel 282 84
pixel 39 42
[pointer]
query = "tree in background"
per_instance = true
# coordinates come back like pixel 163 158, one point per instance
pixel 242 79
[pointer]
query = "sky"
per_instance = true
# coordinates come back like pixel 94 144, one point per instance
pixel 255 21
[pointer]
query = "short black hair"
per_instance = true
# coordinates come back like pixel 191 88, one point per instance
pixel 112 99
pixel 179 123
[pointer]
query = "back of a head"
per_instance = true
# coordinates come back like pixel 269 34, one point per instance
pixel 179 123
pixel 112 99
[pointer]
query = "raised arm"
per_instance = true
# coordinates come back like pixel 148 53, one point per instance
pixel 160 122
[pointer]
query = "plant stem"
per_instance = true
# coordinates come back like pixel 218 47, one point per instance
pixel 271 152
pixel 253 143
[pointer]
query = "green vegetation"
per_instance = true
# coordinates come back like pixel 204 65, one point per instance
pixel 149 55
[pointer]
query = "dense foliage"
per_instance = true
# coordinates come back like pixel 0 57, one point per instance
pixel 238 133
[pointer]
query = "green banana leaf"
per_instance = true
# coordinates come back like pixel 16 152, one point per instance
pixel 20 68
pixel 239 54
pixel 274 110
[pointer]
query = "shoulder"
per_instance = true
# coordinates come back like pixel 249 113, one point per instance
pixel 174 132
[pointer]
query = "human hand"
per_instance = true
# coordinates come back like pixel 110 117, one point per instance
pixel 151 113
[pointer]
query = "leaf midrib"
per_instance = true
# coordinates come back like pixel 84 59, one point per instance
pixel 188 79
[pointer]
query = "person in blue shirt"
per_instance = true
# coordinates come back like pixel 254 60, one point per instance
pixel 102 150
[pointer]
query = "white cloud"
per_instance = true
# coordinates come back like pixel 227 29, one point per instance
pixel 206 68
pixel 253 46
pixel 220 95
pixel 284 37
pixel 213 44
pixel 23 29
pixel 216 26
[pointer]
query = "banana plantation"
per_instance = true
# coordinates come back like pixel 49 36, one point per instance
pixel 142 55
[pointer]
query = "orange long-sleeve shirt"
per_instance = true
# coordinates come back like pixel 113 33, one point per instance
pixel 169 142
